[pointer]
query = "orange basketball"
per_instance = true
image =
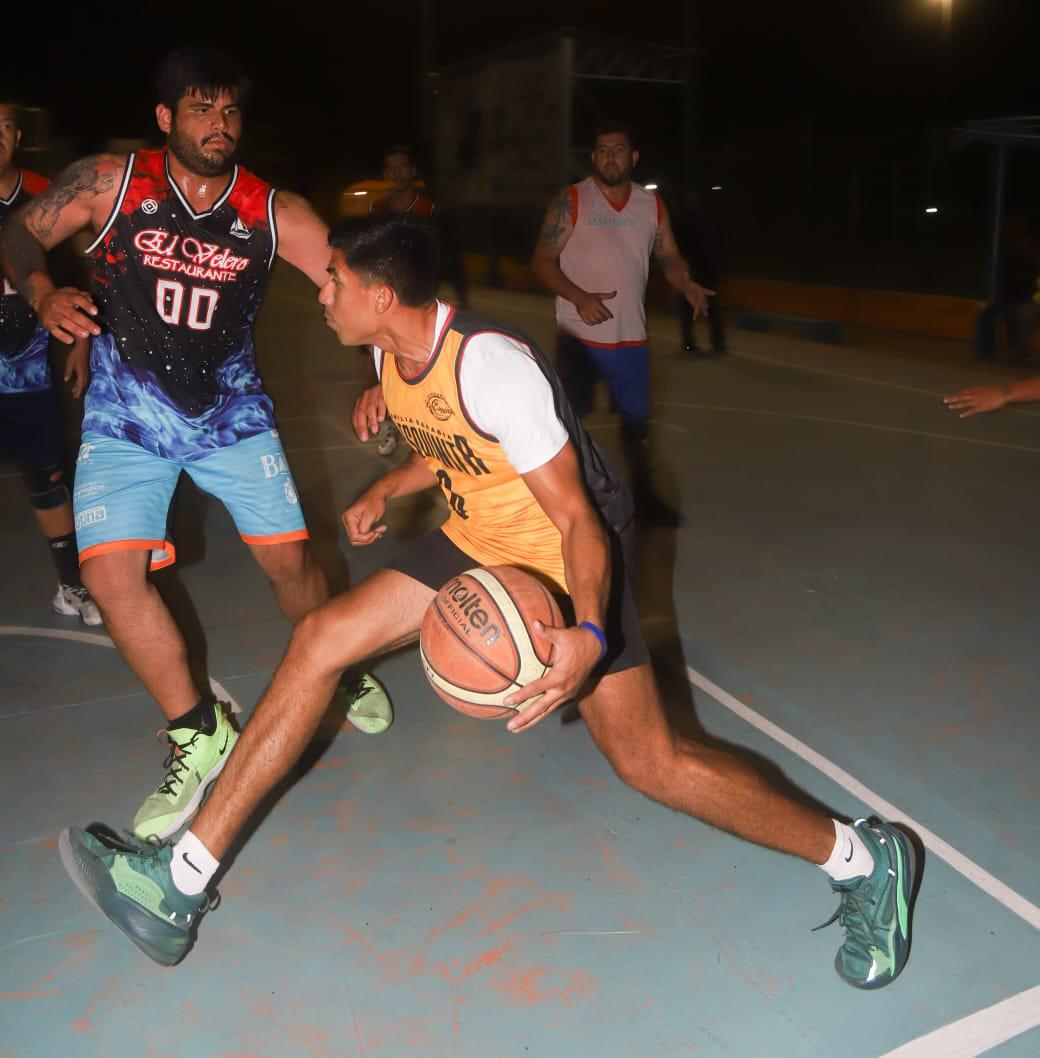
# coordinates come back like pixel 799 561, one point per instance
pixel 477 642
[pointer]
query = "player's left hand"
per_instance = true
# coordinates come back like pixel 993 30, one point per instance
pixel 77 368
pixel 577 653
pixel 361 518
pixel 698 296
pixel 977 399
pixel 369 412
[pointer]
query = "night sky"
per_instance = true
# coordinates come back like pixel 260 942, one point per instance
pixel 341 83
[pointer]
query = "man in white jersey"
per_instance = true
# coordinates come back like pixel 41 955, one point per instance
pixel 593 253
pixel 492 430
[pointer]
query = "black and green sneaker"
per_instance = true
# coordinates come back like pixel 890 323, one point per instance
pixel 129 882
pixel 876 909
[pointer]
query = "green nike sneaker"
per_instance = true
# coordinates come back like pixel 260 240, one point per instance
pixel 129 882
pixel 195 761
pixel 876 909
pixel 367 704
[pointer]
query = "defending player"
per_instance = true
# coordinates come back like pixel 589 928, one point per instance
pixel 184 241
pixel 526 487
pixel 30 426
pixel 593 253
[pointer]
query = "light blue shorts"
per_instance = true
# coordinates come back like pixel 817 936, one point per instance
pixel 121 498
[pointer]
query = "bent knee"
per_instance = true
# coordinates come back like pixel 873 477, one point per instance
pixel 117 575
pixel 642 767
pixel 317 642
pixel 287 563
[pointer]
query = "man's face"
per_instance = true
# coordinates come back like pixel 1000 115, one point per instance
pixel 350 305
pixel 203 134
pixel 613 159
pixel 398 171
pixel 10 135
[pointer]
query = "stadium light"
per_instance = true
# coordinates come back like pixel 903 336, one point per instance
pixel 716 187
pixel 651 187
pixel 931 209
pixel 358 194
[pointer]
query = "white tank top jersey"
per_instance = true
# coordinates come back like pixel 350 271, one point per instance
pixel 609 249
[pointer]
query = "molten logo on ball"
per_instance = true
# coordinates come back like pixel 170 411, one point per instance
pixel 469 608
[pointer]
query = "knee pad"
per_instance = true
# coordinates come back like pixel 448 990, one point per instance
pixel 46 485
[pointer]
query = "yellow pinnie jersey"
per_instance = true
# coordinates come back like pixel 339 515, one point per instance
pixel 494 517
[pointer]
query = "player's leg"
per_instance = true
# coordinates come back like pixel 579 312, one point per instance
pixel 30 430
pixel 578 373
pixel 253 480
pixel 155 893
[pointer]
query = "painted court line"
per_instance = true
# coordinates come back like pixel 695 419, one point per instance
pixel 983 1030
pixel 101 641
pixel 978 1032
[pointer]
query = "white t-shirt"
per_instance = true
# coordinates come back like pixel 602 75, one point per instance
pixel 506 395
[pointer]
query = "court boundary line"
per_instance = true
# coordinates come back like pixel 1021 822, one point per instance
pixel 101 640
pixel 990 1026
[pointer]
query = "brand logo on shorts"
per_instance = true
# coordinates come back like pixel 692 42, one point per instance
pixel 290 494
pixel 149 205
pixel 91 490
pixel 85 451
pixel 91 516
pixel 273 465
pixel 438 407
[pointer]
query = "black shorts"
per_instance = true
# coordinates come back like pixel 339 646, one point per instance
pixel 432 559
pixel 30 428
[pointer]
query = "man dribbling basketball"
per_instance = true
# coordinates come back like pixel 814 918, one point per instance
pixel 489 424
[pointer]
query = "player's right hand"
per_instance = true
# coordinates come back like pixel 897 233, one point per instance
pixel 360 518
pixel 977 399
pixel 369 412
pixel 591 308
pixel 67 313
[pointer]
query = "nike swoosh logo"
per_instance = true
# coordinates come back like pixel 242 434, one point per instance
pixel 184 856
pixel 848 859
pixel 902 910
pixel 227 735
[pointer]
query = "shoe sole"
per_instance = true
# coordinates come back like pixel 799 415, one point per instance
pixel 60 606
pixel 192 807
pixel 145 930
pixel 379 725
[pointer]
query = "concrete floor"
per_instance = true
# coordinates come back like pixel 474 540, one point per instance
pixel 856 579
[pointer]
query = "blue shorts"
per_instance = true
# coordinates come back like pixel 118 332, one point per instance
pixel 122 494
pixel 626 369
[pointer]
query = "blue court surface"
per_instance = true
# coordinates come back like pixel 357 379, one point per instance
pixel 853 599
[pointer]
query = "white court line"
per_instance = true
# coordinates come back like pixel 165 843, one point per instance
pixel 986 1028
pixel 978 1032
pixel 851 422
pixel 864 379
pixel 101 640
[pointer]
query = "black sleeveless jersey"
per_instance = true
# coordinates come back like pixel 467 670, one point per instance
pixel 17 319
pixel 178 292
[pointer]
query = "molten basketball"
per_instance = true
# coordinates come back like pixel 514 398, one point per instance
pixel 477 642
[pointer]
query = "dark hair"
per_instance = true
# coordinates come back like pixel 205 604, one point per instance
pixel 400 149
pixel 201 69
pixel 392 248
pixel 9 99
pixel 604 128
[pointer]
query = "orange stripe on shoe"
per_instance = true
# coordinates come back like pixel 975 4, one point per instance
pixel 277 538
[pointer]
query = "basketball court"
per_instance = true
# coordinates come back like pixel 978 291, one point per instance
pixel 852 599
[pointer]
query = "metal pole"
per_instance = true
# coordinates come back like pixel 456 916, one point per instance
pixel 996 220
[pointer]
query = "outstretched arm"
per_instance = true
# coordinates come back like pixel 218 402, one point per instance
pixel 82 196
pixel 557 229
pixel 675 268
pixel 303 237
pixel 992 398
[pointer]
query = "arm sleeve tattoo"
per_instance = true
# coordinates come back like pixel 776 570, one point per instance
pixel 557 221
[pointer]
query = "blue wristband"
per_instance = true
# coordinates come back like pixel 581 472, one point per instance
pixel 598 633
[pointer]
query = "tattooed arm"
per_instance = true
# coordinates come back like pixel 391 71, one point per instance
pixel 675 268
pixel 83 195
pixel 557 229
pixel 303 237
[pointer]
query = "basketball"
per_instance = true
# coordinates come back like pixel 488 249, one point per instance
pixel 477 641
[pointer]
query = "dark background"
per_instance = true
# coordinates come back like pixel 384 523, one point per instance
pixel 828 125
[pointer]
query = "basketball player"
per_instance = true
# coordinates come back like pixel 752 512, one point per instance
pixel 593 253
pixel 30 427
pixel 183 243
pixel 525 487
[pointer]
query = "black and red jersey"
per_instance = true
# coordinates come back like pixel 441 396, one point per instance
pixel 23 341
pixel 178 291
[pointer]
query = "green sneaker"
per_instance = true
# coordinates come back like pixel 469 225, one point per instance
pixel 195 761
pixel 366 703
pixel 129 882
pixel 876 909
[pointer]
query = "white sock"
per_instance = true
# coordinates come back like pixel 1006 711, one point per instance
pixel 850 857
pixel 192 866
